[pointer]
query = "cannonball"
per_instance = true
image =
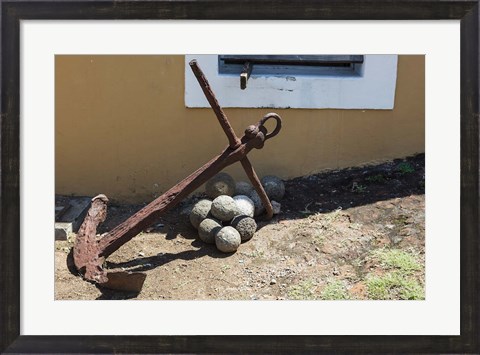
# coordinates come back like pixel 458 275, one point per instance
pixel 207 230
pixel 274 187
pixel 245 205
pixel 199 212
pixel 246 227
pixel 220 184
pixel 243 188
pixel 257 202
pixel 227 239
pixel 224 208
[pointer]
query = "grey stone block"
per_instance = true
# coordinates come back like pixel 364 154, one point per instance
pixel 75 212
pixel 62 230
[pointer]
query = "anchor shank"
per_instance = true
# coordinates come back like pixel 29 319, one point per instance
pixel 222 118
pixel 252 175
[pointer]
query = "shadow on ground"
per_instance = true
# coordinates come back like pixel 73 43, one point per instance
pixel 343 189
pixel 305 196
pixel 152 262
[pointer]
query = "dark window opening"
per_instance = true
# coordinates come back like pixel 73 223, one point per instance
pixel 290 64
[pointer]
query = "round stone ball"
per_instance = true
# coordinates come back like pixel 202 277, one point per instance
pixel 245 226
pixel 199 212
pixel 220 184
pixel 227 239
pixel 274 187
pixel 208 229
pixel 243 188
pixel 257 202
pixel 245 205
pixel 224 208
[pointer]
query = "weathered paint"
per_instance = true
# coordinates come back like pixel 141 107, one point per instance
pixel 131 108
pixel 369 86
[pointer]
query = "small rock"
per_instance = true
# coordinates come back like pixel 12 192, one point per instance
pixel 273 282
pixel 396 239
pixel 276 207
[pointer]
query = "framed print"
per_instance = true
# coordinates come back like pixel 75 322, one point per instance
pixel 66 126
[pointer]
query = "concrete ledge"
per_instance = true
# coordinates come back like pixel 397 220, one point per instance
pixel 70 216
pixel 62 230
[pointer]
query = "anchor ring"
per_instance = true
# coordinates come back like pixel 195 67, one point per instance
pixel 265 118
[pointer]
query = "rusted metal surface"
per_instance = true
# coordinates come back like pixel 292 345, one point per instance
pixel 212 100
pixel 125 281
pixel 91 251
pixel 252 175
pixel 86 254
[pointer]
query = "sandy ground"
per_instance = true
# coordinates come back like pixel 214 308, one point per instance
pixel 349 234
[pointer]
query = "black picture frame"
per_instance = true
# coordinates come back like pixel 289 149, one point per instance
pixel 12 12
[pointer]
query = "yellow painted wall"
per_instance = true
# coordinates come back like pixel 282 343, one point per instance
pixel 121 128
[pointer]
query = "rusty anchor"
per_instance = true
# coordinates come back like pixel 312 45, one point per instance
pixel 91 250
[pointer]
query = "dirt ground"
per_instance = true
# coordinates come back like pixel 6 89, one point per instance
pixel 348 234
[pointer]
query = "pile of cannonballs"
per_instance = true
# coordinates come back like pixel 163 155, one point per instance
pixel 227 217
